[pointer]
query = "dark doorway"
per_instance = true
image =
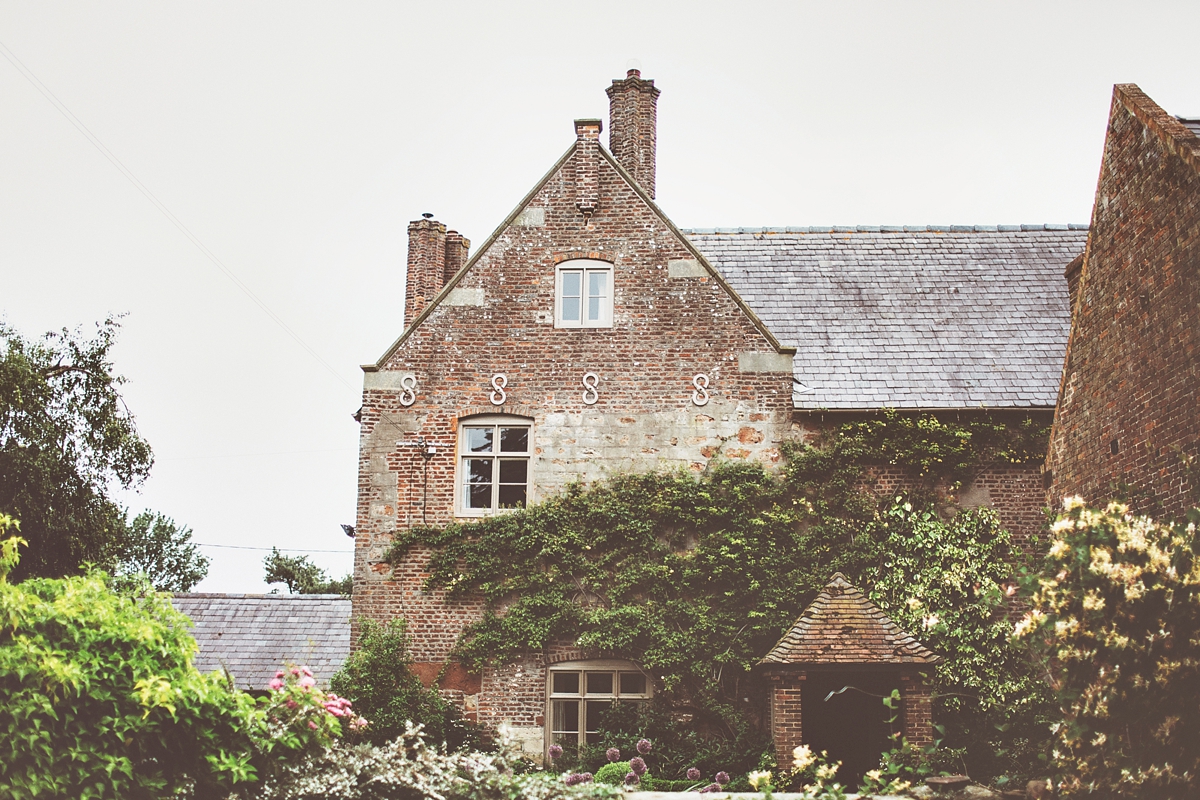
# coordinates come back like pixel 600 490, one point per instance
pixel 852 725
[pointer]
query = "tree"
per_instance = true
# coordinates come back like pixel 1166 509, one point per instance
pixel 154 546
pixel 302 576
pixel 65 438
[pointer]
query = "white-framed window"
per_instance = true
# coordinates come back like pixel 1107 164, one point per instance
pixel 493 464
pixel 583 294
pixel 579 692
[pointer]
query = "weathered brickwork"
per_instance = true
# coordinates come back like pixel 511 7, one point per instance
pixel 1127 407
pixel 787 730
pixel 917 704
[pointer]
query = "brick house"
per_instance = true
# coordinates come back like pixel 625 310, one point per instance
pixel 590 335
pixel 1127 416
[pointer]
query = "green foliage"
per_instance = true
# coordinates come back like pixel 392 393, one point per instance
pixel 613 773
pixel 65 437
pixel 1116 617
pixel 301 576
pixel 695 579
pixel 409 768
pixel 102 700
pixel 378 679
pixel 153 546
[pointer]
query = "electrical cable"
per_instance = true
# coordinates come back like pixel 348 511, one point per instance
pixel 280 549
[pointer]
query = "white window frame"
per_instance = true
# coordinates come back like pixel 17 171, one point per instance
pixel 461 470
pixel 612 666
pixel 585 267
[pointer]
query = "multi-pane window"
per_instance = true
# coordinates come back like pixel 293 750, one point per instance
pixel 580 693
pixel 493 465
pixel 583 294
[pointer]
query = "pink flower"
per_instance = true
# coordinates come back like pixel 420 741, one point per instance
pixel 279 674
pixel 275 683
pixel 306 671
pixel 312 724
pixel 307 681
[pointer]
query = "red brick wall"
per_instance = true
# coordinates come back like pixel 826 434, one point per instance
pixel 918 710
pixel 787 732
pixel 1128 400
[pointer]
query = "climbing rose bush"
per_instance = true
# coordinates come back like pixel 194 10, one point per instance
pixel 1115 617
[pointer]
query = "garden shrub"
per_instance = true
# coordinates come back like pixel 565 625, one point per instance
pixel 101 699
pixel 378 679
pixel 1115 614
pixel 409 768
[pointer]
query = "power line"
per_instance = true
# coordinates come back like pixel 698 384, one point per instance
pixel 280 549
pixel 166 212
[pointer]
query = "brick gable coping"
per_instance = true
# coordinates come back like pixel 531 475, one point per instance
pixel 713 273
pixel 843 627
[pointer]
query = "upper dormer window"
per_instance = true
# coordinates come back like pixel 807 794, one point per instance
pixel 583 296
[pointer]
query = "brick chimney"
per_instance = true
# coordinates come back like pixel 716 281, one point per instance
pixel 458 250
pixel 587 165
pixel 426 265
pixel 632 119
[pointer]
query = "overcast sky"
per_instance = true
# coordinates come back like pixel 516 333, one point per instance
pixel 296 140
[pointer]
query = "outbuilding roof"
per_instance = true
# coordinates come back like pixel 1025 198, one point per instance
pixel 930 317
pixel 253 635
pixel 843 627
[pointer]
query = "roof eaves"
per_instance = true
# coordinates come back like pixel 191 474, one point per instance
pixel 450 284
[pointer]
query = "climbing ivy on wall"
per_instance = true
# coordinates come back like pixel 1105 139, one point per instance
pixel 695 578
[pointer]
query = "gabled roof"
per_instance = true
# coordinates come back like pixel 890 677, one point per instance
pixel 843 627
pixel 934 318
pixel 253 635
pixel 716 274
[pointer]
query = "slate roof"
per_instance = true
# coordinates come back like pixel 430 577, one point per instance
pixel 253 635
pixel 909 317
pixel 1191 123
pixel 843 627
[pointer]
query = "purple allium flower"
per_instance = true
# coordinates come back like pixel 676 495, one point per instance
pixel 643 746
pixel 637 766
pixel 555 751
pixel 712 787
pixel 722 778
pixel 586 777
pixel 632 779
pixel 573 779
pixel 612 753
pixel 693 774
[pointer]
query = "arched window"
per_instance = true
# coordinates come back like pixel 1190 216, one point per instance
pixel 579 692
pixel 583 294
pixel 493 464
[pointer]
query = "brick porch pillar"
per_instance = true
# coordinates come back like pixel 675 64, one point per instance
pixel 918 710
pixel 786 730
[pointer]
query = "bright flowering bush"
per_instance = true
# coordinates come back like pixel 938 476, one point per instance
pixel 1116 617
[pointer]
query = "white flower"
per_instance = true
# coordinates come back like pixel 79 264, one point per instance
pixel 802 757
pixel 758 779
pixel 931 622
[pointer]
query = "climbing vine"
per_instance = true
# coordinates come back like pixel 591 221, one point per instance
pixel 695 579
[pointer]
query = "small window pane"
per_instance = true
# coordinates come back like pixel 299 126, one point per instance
pixel 593 309
pixel 595 709
pixel 565 682
pixel 570 309
pixel 512 495
pixel 514 440
pixel 572 283
pixel 633 683
pixel 597 284
pixel 479 496
pixel 479 470
pixel 566 716
pixel 599 683
pixel 479 440
pixel 514 471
